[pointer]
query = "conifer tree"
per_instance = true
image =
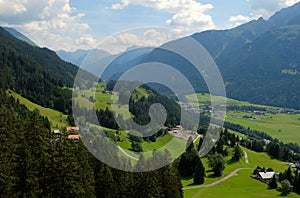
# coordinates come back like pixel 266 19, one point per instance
pixel 238 153
pixel 296 184
pixel 199 173
pixel 273 183
pixel 32 167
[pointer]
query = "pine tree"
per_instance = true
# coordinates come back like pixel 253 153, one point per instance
pixel 238 153
pixel 219 147
pixel 217 163
pixel 188 162
pixel 288 175
pixel 171 183
pixel 296 184
pixel 105 186
pixel 34 155
pixel 199 173
pixel 273 183
pixel 8 147
pixel 286 187
pixel 86 173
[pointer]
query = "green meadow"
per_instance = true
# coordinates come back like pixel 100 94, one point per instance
pixel 205 99
pixel 57 119
pixel 255 159
pixel 241 184
pixel 284 127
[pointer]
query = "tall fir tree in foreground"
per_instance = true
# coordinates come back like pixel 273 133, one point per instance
pixel 199 173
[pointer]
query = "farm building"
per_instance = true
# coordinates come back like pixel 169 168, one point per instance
pixel 265 176
pixel 72 129
pixel 57 132
pixel 295 166
pixel 75 138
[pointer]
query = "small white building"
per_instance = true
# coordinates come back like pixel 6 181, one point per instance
pixel 57 132
pixel 266 176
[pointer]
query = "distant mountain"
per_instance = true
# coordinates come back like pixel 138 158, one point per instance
pixel 19 36
pixel 101 62
pixel 78 56
pixel 270 72
pixel 259 60
pixel 124 61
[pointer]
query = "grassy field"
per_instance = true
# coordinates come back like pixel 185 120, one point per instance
pixel 57 119
pixel 241 185
pixel 285 127
pixel 105 100
pixel 206 99
pixel 281 126
pixel 176 146
pixel 160 142
pixel 255 159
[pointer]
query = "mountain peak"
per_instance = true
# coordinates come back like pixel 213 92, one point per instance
pixel 19 36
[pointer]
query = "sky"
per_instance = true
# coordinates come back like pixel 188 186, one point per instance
pixel 76 24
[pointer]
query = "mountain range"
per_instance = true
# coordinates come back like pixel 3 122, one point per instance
pixel 259 60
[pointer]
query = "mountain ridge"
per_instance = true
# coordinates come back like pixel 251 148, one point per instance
pixel 20 36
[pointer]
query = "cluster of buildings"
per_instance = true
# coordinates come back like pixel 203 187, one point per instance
pixel 72 134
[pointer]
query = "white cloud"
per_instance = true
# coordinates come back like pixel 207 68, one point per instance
pixel 187 15
pixel 239 19
pixel 50 23
pixel 267 8
pixel 141 37
pixel 12 7
pixel 120 6
pixel 291 2
pixel 260 8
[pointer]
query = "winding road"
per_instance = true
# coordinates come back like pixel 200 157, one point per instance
pixel 126 154
pixel 223 179
pixel 219 181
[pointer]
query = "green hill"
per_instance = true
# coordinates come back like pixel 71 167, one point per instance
pixel 57 119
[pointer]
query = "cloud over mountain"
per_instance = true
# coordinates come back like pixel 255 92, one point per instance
pixel 51 23
pixel 187 15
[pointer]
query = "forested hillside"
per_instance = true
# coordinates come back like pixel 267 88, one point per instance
pixel 38 74
pixel 47 59
pixel 35 164
pixel 25 76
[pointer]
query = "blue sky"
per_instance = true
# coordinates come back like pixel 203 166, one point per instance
pixel 77 24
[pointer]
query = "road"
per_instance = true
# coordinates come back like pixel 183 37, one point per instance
pixel 198 136
pixel 219 181
pixel 126 154
pixel 246 157
pixel 223 179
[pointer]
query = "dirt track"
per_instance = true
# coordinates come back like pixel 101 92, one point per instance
pixel 219 181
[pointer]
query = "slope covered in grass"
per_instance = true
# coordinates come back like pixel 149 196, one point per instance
pixel 57 119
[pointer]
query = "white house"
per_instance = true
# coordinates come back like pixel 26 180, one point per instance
pixel 265 176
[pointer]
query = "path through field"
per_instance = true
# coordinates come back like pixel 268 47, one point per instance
pixel 246 157
pixel 219 181
pixel 130 156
